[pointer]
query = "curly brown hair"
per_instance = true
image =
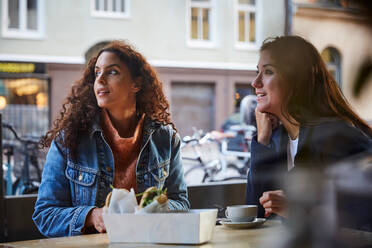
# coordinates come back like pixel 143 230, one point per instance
pixel 80 107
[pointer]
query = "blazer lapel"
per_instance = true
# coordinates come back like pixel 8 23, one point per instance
pixel 303 151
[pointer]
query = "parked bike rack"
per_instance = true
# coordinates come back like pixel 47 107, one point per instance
pixel 15 212
pixel 23 184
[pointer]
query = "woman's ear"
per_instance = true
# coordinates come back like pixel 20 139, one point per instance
pixel 137 84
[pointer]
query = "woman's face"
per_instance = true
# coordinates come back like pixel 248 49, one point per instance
pixel 114 87
pixel 268 85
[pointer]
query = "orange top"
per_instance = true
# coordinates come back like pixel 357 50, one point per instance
pixel 125 151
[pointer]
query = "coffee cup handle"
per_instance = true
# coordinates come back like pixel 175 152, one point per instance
pixel 226 214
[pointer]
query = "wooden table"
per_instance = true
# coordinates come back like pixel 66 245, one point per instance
pixel 222 237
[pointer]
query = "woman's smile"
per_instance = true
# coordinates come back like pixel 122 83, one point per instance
pixel 102 92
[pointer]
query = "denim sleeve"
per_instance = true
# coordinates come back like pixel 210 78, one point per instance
pixel 175 182
pixel 54 214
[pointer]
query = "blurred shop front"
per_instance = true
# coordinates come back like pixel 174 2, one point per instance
pixel 25 97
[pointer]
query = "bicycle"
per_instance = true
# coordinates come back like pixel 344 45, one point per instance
pixel 202 158
pixel 23 183
pixel 240 155
pixel 204 161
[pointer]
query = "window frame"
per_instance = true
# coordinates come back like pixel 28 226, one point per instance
pixel 200 43
pixel 110 14
pixel 22 32
pixel 247 8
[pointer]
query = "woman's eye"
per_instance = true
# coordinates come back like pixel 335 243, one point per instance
pixel 113 72
pixel 268 71
pixel 97 73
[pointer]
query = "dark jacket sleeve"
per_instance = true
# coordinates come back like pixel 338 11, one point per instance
pixel 265 170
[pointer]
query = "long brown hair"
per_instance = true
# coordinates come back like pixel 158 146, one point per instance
pixel 80 107
pixel 311 94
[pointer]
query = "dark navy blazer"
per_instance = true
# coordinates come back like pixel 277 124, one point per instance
pixel 318 146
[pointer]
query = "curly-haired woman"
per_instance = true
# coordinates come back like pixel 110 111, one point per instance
pixel 114 129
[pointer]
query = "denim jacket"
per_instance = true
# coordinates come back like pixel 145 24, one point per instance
pixel 71 188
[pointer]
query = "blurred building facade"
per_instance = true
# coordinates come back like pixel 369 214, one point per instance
pixel 343 35
pixel 205 51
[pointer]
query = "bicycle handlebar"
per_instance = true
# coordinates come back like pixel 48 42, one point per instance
pixel 22 140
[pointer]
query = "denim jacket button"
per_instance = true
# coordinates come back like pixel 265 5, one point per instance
pixel 80 177
pixel 108 169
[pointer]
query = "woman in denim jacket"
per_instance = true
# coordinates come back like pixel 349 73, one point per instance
pixel 114 129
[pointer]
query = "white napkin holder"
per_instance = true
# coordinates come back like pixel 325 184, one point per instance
pixel 193 227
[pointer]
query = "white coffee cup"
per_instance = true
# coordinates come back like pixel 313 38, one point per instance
pixel 241 213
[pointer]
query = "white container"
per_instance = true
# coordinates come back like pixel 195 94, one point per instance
pixel 193 227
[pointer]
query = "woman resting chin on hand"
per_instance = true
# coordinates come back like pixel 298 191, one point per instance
pixel 317 126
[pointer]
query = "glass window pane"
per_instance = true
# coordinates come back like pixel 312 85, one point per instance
pixel 13 11
pixel 331 55
pixel 205 24
pixel 105 5
pixel 116 7
pixel 194 23
pixel 252 27
pixel 241 26
pixel 96 5
pixel 26 105
pixel 332 59
pixel 123 6
pixel 32 14
pixel 247 2
pixel 326 55
pixel 114 3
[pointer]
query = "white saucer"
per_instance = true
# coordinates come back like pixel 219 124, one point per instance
pixel 240 225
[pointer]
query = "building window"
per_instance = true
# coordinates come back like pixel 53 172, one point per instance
pixel 245 23
pixel 23 19
pixel 332 58
pixel 110 8
pixel 200 23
